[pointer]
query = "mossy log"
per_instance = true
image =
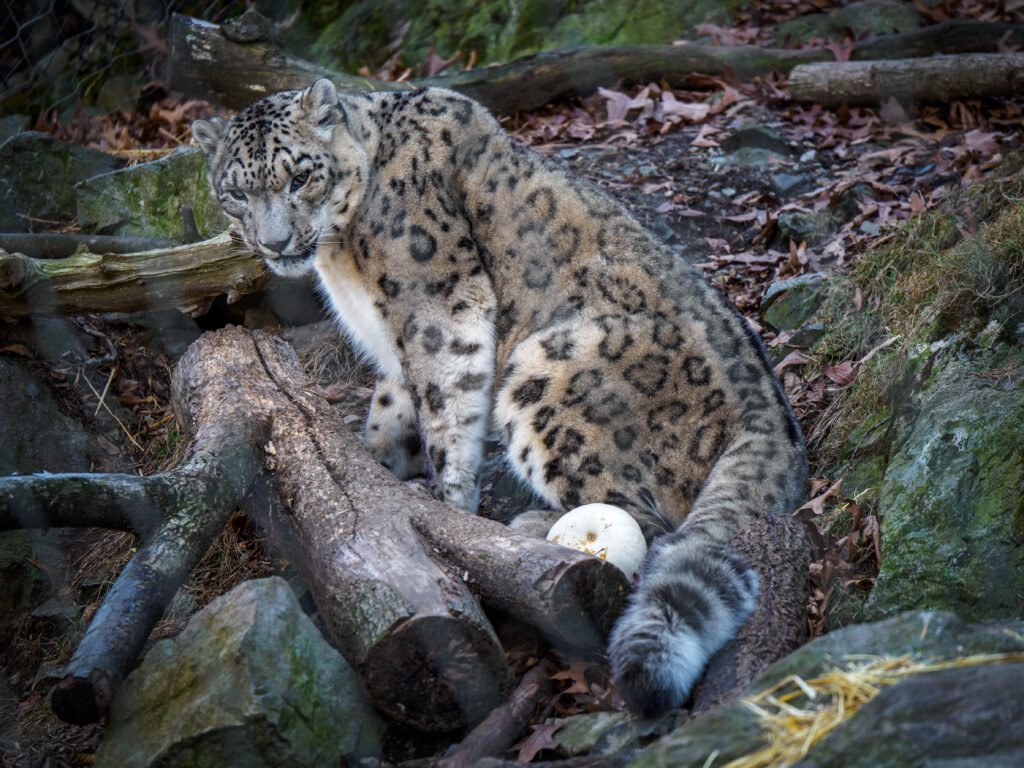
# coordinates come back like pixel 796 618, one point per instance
pixel 185 277
pixel 393 572
pixel 943 78
pixel 207 63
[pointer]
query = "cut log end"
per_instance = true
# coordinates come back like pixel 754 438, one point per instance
pixel 82 699
pixel 586 597
pixel 436 673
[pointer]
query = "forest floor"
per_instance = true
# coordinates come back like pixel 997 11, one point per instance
pixel 742 182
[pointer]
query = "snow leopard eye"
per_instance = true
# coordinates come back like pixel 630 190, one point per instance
pixel 235 195
pixel 299 181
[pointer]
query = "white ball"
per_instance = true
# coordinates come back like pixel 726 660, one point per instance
pixel 603 531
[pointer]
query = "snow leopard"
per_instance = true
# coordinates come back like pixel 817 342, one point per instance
pixel 493 290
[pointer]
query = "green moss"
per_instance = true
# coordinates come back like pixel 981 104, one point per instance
pixel 952 503
pixel 369 32
pixel 940 294
pixel 147 199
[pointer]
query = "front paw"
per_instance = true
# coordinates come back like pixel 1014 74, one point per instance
pixel 404 457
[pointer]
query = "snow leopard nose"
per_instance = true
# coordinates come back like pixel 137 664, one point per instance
pixel 274 246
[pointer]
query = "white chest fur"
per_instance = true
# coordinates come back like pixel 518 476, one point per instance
pixel 353 306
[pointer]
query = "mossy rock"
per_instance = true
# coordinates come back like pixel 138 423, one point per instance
pixel 249 682
pixel 869 17
pixel 37 177
pixel 734 730
pixel 368 32
pixel 972 719
pixel 788 304
pixel 147 199
pixel 952 503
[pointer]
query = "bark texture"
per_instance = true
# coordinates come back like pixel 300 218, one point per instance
pixel 186 277
pixel 394 572
pixel 943 78
pixel 210 62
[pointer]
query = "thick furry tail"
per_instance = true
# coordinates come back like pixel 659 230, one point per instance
pixel 695 590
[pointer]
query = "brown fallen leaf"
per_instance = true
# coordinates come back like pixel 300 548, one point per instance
pixel 539 739
pixel 793 358
pixel 842 374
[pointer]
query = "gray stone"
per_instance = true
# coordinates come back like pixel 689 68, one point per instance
pixel 969 716
pixel 608 733
pixel 869 17
pixel 791 184
pixel 56 615
pixel 579 734
pixel 249 682
pixel 756 137
pixel 750 157
pixel 788 304
pixel 147 199
pixel 813 228
pixel 715 738
pixel 37 177
pixel 952 504
pixel 733 730
pixel 11 125
pixel 37 435
pixel 924 635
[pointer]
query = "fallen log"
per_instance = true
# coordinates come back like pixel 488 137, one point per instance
pixel 943 78
pixel 186 277
pixel 57 245
pixel 504 725
pixel 390 569
pixel 206 63
pixel 393 572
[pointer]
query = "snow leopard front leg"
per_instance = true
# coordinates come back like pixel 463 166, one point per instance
pixel 449 354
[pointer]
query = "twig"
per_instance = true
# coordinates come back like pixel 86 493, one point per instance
pixel 505 724
pixel 106 388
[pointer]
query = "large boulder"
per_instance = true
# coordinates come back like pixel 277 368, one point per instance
pixel 147 199
pixel 973 719
pixel 952 503
pixel 37 177
pixel 987 706
pixel 249 682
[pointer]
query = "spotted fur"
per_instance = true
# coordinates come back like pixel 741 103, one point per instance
pixel 490 287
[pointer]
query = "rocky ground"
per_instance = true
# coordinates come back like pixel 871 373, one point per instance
pixel 876 250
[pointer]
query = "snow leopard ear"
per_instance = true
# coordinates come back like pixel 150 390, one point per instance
pixel 208 134
pixel 320 101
